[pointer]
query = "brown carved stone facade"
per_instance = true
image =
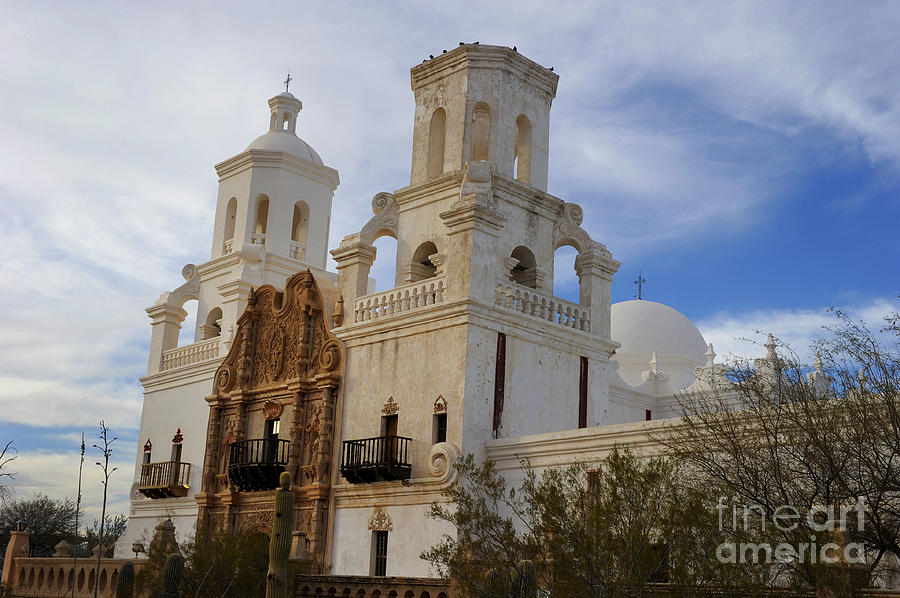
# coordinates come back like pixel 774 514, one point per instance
pixel 284 364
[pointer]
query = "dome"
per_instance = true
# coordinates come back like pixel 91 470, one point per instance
pixel 287 142
pixel 645 327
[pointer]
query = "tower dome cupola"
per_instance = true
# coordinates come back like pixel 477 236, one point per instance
pixel 285 108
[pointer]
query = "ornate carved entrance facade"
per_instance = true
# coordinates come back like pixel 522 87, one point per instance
pixel 272 410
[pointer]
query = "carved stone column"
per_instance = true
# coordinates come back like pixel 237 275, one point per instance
pixel 354 260
pixel 595 270
pixel 166 322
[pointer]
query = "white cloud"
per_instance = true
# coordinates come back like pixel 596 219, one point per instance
pixel 741 334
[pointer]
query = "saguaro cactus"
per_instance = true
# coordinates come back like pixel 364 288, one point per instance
pixel 278 577
pixel 125 585
pixel 172 576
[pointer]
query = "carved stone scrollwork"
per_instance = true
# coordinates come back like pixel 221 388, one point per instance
pixel 330 356
pixel 442 459
pixel 380 521
pixel 224 379
pixel 272 410
pixel 383 222
pixel 440 404
pixel 390 407
pixel 381 201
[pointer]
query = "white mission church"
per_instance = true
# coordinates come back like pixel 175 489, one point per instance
pixel 367 398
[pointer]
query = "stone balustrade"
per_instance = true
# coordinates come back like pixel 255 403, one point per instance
pixel 369 587
pixel 190 354
pixel 409 297
pixel 298 250
pixel 229 246
pixel 53 577
pixel 258 238
pixel 522 299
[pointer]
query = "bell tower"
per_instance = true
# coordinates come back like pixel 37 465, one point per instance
pixel 480 102
pixel 276 194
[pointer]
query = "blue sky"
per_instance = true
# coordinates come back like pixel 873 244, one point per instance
pixel 744 156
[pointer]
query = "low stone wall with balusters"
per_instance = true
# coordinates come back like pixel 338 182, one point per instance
pixel 307 586
pixel 399 300
pixel 190 354
pixel 57 577
pixel 551 309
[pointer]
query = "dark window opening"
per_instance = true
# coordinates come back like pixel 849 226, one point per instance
pixel 272 428
pixel 499 383
pixel 146 457
pixel 647 414
pixel 583 393
pixel 389 425
pixel 380 565
pixel 440 428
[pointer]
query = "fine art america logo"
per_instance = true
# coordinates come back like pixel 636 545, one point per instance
pixel 787 519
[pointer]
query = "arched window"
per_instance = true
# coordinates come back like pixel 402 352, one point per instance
pixel 525 271
pixel 436 134
pixel 299 227
pixel 421 266
pixel 565 278
pixel 286 122
pixel 481 132
pixel 384 269
pixel 186 335
pixel 523 149
pixel 230 217
pixel 213 326
pixel 262 220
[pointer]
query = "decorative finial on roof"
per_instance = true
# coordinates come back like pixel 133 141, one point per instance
pixel 640 286
pixel 770 346
pixel 710 355
pixel 287 81
pixel 818 363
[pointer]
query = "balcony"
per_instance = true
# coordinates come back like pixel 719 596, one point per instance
pixel 165 479
pixel 198 352
pixel 383 458
pixel 406 298
pixel 255 465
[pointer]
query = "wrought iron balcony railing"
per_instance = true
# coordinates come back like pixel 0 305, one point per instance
pixel 165 479
pixel 375 459
pixel 255 465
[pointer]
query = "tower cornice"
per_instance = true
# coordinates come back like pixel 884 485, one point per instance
pixel 478 56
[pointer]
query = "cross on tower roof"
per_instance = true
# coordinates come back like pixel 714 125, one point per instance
pixel 640 285
pixel 287 81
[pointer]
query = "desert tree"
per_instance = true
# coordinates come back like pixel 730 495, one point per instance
pixel 611 528
pixel 823 441
pixel 7 455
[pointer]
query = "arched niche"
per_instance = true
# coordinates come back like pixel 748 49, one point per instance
pixel 230 219
pixel 523 149
pixel 212 326
pixel 261 221
pixel 436 137
pixel 299 230
pixel 421 266
pixel 481 132
pixel 524 272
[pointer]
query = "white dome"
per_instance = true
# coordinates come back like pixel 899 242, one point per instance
pixel 284 141
pixel 645 327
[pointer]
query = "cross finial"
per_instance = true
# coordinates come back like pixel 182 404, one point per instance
pixel 287 81
pixel 640 285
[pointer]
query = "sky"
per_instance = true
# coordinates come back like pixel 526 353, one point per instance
pixel 744 157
